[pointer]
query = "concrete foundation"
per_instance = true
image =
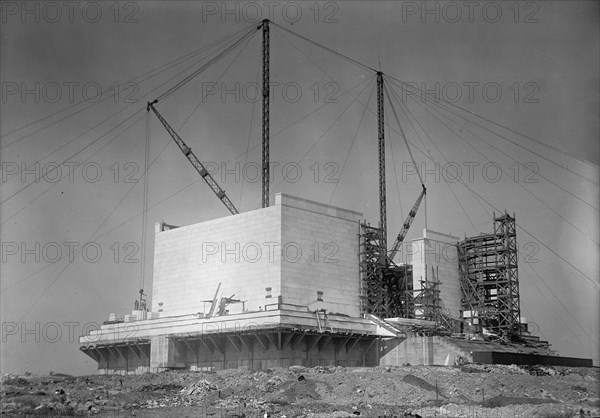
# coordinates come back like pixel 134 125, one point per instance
pixel 278 338
pixel 435 350
pixel 415 350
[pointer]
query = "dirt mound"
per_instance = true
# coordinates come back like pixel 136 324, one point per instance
pixel 298 391
pixel 418 382
pixel 499 401
pixel 469 390
pixel 168 387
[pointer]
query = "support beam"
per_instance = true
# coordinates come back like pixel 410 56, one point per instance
pixel 232 341
pixel 210 350
pixel 93 353
pixel 110 351
pixel 241 337
pixel 324 342
pixel 105 358
pixel 344 344
pixel 315 342
pixel 287 340
pixel 215 345
pixel 355 344
pixel 299 340
pixel 382 191
pixel 263 345
pixel 265 115
pixel 132 347
pixel 271 338
pixel 370 345
pixel 189 347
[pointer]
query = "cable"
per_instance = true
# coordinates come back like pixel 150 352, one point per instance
pixel 561 304
pixel 218 79
pixel 474 114
pixel 54 167
pixel 511 141
pixel 352 144
pixel 391 144
pixel 79 136
pixel 304 117
pixel 519 226
pixel 499 150
pixel 404 136
pixel 109 117
pixel 534 271
pixel 205 66
pixel 332 51
pixel 519 184
pixel 69 264
pixel 325 133
pixel 156 70
pixel 112 229
pixel 406 114
pixel 145 201
pixel 82 164
pixel 249 135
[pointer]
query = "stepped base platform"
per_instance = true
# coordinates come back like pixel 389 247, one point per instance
pixel 256 340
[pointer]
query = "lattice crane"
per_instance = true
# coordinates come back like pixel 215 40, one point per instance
pixel 187 151
pixel 405 227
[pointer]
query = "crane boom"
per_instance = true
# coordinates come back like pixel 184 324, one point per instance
pixel 409 219
pixel 195 162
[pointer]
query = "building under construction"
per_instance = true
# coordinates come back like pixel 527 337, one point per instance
pixel 303 283
pixel 300 282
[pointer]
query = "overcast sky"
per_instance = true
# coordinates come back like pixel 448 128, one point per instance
pixel 532 68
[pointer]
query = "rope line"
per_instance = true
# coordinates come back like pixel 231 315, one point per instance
pixel 122 87
pixel 351 145
pixel 207 65
pixel 406 114
pixel 66 174
pixel 145 201
pixel 218 79
pixel 499 150
pixel 404 136
pixel 332 51
pixel 518 183
pixel 249 133
pixel 564 167
pixel 54 167
pixel 327 130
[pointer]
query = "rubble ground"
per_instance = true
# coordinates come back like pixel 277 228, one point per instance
pixel 471 390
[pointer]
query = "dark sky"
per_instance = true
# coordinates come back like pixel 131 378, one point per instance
pixel 532 68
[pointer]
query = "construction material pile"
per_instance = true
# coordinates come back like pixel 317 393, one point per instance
pixel 464 391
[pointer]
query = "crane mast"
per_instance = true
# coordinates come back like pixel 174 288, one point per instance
pixel 187 151
pixel 381 154
pixel 265 115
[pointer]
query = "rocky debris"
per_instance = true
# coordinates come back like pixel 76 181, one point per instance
pixel 538 370
pixel 12 380
pixel 322 391
pixel 168 387
pixel 198 388
pixel 271 383
pixel 493 368
pixel 327 369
